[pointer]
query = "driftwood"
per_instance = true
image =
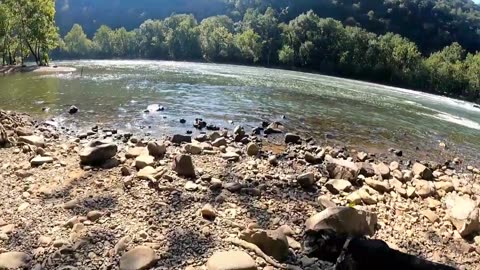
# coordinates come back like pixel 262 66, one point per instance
pixel 357 253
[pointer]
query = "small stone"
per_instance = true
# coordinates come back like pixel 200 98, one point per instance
pixel 231 260
pixel 362 156
pixel 292 138
pixel 445 186
pixel 98 152
pixel 394 166
pixel 252 149
pixel 23 206
pixel 45 241
pixel 136 151
pixel 38 160
pixel 336 186
pixel 32 140
pixel 143 161
pixel 306 180
pixel 193 149
pixel 382 170
pixel 191 186
pixel 138 258
pixel 146 173
pixel 121 245
pixel 424 188
pixel 422 171
pixel 178 139
pixel 219 142
pixel 94 215
pixel 183 166
pixel 208 212
pixel 411 192
pixel 231 156
pixel 60 243
pixel 380 186
pixel 71 204
pixel 273 160
pixel 430 215
pixel 156 149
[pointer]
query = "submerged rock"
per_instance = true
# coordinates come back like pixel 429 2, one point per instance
pixel 73 109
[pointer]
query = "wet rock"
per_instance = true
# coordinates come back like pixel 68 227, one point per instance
pixel 463 214
pixel 183 166
pixel 342 169
pixel 292 138
pixel 193 149
pixel 382 170
pixel 306 180
pixel 219 142
pixel 39 160
pixel 183 121
pixel 273 243
pixel 156 149
pixel 143 161
pixel 138 258
pixel 179 138
pixel 32 140
pixel 345 220
pixel 14 260
pixel 422 171
pixel 98 152
pixel 337 186
pixel 252 149
pixel 201 138
pixel 231 260
pixel 273 128
pixel 73 109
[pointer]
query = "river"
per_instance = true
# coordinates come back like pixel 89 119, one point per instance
pixel 332 110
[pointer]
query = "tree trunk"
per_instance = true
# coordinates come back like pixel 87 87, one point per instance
pixel 33 53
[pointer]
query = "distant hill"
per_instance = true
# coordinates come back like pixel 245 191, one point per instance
pixel 431 24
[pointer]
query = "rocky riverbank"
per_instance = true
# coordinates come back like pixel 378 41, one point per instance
pixel 222 200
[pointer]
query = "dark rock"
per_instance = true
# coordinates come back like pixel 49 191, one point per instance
pixel 292 138
pixel 273 128
pixel 233 187
pixel 365 169
pixel 201 138
pixel 213 128
pixel 183 165
pixel 306 180
pixel 73 110
pixel 199 123
pixel 178 139
pixel 183 121
pixel 342 169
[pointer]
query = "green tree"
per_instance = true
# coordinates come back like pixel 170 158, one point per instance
pixel 76 42
pixel 216 38
pixel 151 38
pixel 286 55
pixel 181 37
pixel 103 41
pixel 250 45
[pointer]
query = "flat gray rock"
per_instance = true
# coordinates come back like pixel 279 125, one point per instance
pixel 138 258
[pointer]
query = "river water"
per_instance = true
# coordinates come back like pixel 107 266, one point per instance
pixel 332 110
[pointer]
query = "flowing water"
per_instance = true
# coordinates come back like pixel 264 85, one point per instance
pixel 364 115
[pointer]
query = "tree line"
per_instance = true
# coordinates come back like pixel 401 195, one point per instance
pixel 307 42
pixel 27 29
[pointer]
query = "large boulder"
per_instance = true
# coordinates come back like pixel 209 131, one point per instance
pixel 342 169
pixel 343 220
pixel 183 165
pixel 231 260
pixel 463 214
pixel 14 260
pixel 138 258
pixel 98 152
pixel 422 171
pixel 273 243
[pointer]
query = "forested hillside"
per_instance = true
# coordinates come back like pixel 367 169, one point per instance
pixel 431 24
